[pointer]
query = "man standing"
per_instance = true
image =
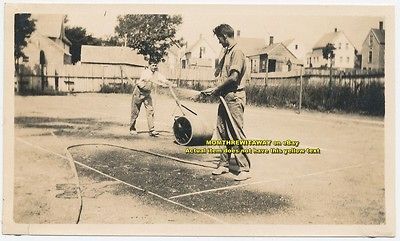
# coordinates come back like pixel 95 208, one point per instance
pixel 142 95
pixel 232 74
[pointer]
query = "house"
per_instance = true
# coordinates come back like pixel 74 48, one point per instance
pixel 373 49
pixel 47 50
pixel 275 57
pixel 296 48
pixel 250 46
pixel 344 52
pixel 172 59
pixel 200 55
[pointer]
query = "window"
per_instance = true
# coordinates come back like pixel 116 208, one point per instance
pixel 370 57
pixel 254 66
pixel 202 52
pixel 296 46
pixel 371 40
pixel 340 46
pixel 263 64
pixel 341 59
pixel 347 45
pixel 348 59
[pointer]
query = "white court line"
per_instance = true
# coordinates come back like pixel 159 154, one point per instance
pixel 273 180
pixel 123 182
pixel 149 192
pixel 40 148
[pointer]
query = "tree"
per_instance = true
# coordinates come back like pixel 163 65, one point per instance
pixel 112 41
pixel 151 34
pixel 79 37
pixel 329 54
pixel 23 28
pixel 328 51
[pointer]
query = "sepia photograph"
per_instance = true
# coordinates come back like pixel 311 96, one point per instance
pixel 199 120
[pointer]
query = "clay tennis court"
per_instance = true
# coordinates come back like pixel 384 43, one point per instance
pixel 74 159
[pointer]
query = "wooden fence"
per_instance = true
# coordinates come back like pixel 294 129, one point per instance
pixel 90 78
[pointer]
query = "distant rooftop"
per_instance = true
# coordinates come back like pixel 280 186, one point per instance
pixel 326 38
pixel 50 25
pixel 380 35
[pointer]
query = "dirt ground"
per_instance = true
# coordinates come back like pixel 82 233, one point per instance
pixel 116 182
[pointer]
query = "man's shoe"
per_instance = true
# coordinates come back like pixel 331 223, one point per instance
pixel 242 176
pixel 133 132
pixel 154 133
pixel 220 170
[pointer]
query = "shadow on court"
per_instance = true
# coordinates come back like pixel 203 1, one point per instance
pixel 169 178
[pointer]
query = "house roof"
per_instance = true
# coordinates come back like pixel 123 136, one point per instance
pixel 200 39
pixel 250 46
pixel 276 51
pixel 268 49
pixel 379 34
pixel 49 42
pixel 50 25
pixel 326 38
pixel 174 50
pixel 111 55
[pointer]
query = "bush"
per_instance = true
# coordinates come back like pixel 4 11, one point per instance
pixel 281 96
pixel 34 92
pixel 363 98
pixel 117 88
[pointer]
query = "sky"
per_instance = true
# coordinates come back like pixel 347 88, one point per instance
pixel 306 29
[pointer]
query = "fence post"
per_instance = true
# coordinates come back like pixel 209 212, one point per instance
pixel 301 88
pixel 266 72
pixel 102 76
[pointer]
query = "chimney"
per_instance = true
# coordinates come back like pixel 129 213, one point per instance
pixel 380 25
pixel 335 30
pixel 237 33
pixel 271 40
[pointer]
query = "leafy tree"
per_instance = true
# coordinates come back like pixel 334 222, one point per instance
pixel 112 41
pixel 328 51
pixel 79 37
pixel 329 54
pixel 23 28
pixel 150 34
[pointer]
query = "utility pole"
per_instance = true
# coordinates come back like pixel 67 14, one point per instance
pixel 301 87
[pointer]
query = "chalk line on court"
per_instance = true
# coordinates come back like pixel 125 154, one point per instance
pixel 123 182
